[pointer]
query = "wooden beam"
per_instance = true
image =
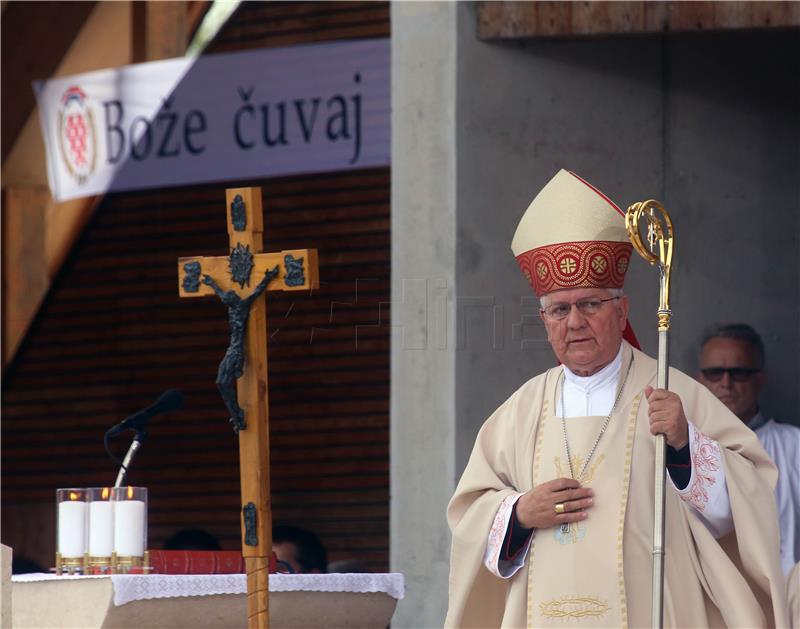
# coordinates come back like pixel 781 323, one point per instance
pixel 24 210
pixel 518 20
pixel 159 30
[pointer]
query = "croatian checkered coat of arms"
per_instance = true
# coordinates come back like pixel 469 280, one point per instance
pixel 77 137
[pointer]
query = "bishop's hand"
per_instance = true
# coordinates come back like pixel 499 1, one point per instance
pixel 667 418
pixel 554 503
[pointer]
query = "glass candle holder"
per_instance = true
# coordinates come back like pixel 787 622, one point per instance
pixel 72 528
pixel 130 525
pixel 101 528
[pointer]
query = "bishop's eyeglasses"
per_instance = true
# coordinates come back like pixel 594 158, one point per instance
pixel 586 307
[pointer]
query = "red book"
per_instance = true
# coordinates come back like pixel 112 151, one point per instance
pixel 196 561
pixel 200 562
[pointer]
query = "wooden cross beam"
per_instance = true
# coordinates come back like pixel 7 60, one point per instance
pixel 238 279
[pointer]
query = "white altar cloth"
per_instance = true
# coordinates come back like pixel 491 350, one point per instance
pixel 296 600
pixel 138 587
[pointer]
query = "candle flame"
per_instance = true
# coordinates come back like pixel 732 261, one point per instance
pixel 73 495
pixel 130 492
pixel 105 493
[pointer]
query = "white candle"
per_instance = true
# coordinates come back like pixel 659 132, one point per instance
pixel 129 518
pixel 72 528
pixel 101 528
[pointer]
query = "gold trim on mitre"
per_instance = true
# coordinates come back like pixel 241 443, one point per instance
pixel 572 236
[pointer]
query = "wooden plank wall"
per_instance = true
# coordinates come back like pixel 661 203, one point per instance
pixel 512 20
pixel 267 24
pixel 113 335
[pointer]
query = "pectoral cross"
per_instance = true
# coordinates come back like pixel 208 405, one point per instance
pixel 240 280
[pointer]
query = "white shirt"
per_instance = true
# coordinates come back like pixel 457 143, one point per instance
pixel 590 396
pixel 782 443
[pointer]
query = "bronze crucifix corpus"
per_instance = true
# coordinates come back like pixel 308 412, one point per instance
pixel 240 280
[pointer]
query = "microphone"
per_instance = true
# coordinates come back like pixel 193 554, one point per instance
pixel 170 400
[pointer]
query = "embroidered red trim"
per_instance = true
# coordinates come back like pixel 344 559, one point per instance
pixel 588 264
pixel 706 461
pixel 609 201
pixel 497 533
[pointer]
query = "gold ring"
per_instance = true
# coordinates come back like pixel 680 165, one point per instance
pixel 560 507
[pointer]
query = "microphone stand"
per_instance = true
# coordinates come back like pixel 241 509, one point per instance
pixel 123 470
pixel 140 437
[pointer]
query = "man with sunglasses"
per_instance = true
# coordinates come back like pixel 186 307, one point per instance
pixel 732 367
pixel 552 519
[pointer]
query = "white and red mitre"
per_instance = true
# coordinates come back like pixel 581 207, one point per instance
pixel 572 236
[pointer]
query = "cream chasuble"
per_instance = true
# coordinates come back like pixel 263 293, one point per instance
pixel 577 592
pixel 600 576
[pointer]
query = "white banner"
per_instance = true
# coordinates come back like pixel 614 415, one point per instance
pixel 231 116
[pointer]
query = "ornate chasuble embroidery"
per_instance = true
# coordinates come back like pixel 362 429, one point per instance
pixel 578 529
pixel 576 577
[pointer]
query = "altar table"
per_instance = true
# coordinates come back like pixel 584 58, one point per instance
pixel 202 601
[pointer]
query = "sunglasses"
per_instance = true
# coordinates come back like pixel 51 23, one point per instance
pixel 737 374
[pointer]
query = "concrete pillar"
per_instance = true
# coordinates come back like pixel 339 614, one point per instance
pixel 423 271
pixel 5 590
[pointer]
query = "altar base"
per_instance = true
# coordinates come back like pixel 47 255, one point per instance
pixel 90 603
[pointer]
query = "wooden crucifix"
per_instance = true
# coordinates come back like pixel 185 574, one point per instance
pixel 240 280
